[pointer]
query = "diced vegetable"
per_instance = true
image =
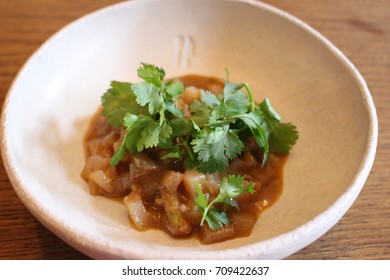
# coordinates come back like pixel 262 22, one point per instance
pixel 138 215
pixel 177 225
pixel 102 180
pixel 212 236
pixel 141 165
pixel 171 181
pixel 191 179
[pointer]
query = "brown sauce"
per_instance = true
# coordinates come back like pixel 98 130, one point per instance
pixel 159 192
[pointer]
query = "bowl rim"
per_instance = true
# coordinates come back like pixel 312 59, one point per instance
pixel 101 249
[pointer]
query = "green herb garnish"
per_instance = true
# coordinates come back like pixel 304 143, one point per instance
pixel 231 187
pixel 214 134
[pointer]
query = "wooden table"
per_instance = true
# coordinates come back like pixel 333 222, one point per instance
pixel 361 29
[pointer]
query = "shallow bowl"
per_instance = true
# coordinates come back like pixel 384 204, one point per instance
pixel 309 81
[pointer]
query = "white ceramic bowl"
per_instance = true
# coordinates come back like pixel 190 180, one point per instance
pixel 308 80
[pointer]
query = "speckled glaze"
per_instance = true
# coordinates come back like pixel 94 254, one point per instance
pixel 309 81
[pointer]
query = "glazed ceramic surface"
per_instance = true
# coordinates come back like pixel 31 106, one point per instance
pixel 309 82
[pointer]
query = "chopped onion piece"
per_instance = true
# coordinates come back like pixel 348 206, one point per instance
pixel 137 212
pixel 102 180
pixel 191 179
pixel 171 180
pixel 212 236
pixel 94 163
pixel 141 165
pixel 177 225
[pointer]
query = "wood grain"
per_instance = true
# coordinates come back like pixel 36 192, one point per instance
pixel 359 28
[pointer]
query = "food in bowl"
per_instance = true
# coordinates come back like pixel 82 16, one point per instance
pixel 194 156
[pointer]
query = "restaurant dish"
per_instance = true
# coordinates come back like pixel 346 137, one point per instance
pixel 194 156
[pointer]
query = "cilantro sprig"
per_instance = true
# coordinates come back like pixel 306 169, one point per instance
pixel 231 187
pixel 223 120
pixel 145 109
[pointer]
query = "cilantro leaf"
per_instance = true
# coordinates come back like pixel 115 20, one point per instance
pixel 141 132
pixel 165 132
pixel 201 199
pixel 233 145
pixel 120 152
pixel 268 111
pixel 151 74
pixel 212 165
pixel 134 125
pixel 153 134
pixel 232 187
pixel 283 136
pixel 216 219
pixel 175 89
pixel 237 103
pixel 200 113
pixel 181 127
pixel 230 89
pixel 171 107
pixel 148 94
pixel 257 125
pixel 119 100
pixel 208 98
pixel 174 154
pixel 216 147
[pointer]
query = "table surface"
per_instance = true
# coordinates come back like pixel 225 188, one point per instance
pixel 360 29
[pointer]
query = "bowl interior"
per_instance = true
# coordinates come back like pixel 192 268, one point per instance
pixel 51 103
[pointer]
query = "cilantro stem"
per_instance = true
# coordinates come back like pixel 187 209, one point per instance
pixel 220 122
pixel 227 75
pixel 184 143
pixel 251 99
pixel 162 116
pixel 206 210
pixel 241 116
